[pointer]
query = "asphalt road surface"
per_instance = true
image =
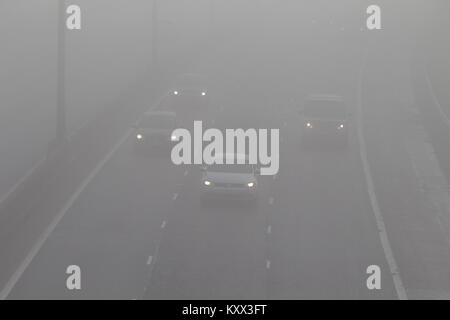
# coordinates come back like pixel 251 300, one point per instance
pixel 139 231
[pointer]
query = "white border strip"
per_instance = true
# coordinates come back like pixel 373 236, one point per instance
pixel 400 289
pixel 44 236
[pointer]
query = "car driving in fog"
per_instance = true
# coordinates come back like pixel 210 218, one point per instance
pixel 230 180
pixel 155 130
pixel 191 85
pixel 189 99
pixel 325 119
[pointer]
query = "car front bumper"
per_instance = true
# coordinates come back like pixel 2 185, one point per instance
pixel 214 191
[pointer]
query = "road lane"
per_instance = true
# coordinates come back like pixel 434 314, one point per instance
pixel 210 251
pixel 323 229
pixel 109 232
pixel 393 132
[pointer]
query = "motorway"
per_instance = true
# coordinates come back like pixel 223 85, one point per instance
pixel 137 228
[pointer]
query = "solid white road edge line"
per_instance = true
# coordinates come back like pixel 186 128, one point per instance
pixel 435 99
pixel 43 237
pixel 400 289
pixel 21 181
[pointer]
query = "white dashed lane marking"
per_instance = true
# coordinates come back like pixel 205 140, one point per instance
pixel 271 200
pixel 149 260
pixel 163 224
pixel 175 196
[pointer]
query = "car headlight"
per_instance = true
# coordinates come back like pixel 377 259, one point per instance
pixel 203 93
pixel 173 138
pixel 341 126
pixel 207 183
pixel 309 125
pixel 175 92
pixel 251 184
pixel 139 136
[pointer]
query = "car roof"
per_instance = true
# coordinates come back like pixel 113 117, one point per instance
pixel 324 97
pixel 191 76
pixel 184 75
pixel 234 156
pixel 159 113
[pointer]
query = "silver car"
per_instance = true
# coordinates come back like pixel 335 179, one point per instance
pixel 155 129
pixel 191 84
pixel 230 179
pixel 325 118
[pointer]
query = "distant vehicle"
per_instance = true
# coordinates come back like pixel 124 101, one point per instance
pixel 155 130
pixel 189 98
pixel 230 179
pixel 191 85
pixel 325 119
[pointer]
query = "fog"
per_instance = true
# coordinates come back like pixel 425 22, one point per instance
pixel 358 208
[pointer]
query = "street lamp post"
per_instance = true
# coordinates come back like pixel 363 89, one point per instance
pixel 211 15
pixel 61 128
pixel 155 34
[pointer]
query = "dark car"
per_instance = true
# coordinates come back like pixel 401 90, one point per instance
pixel 189 99
pixel 155 130
pixel 191 85
pixel 325 120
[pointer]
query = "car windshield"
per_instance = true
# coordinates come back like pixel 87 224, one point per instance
pixel 231 168
pixel 189 80
pixel 325 109
pixel 167 103
pixel 157 122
